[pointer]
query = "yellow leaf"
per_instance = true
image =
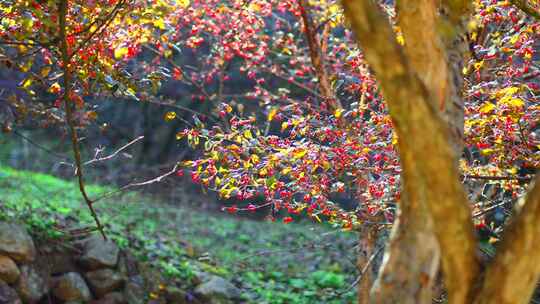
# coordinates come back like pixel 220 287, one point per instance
pixel 514 38
pixel 254 6
pixel 338 113
pixel 159 23
pixel 487 107
pixel 400 40
pixel 26 83
pixel 284 126
pixel 479 65
pixel 513 170
pixel 299 154
pixel 394 139
pixel 487 151
pixel 183 3
pixel 334 9
pixel 120 52
pixel 515 102
pixel 169 116
pixel 272 113
pixel 508 91
pixel 247 134
pixel 45 71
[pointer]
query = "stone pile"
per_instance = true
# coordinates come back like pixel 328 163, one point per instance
pixel 97 273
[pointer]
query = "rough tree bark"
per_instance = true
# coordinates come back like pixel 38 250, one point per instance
pixel 413 237
pixel 431 179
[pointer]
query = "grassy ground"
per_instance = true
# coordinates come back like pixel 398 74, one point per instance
pixel 271 262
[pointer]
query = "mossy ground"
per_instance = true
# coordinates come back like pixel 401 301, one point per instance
pixel 271 262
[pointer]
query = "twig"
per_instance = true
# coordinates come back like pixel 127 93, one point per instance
pixel 499 177
pixel 131 185
pixel 363 271
pixel 482 212
pixel 96 159
pixel 30 141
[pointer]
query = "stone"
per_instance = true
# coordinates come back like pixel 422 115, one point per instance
pixel 71 287
pixel 16 243
pixel 61 262
pixel 175 295
pixel 99 253
pixel 9 272
pixel 103 281
pixel 218 291
pixel 200 277
pixel 32 284
pixel 128 264
pixel 134 293
pixel 112 298
pixel 8 295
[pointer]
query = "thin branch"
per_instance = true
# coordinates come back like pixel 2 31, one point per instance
pixel 11 42
pixel 145 183
pixel 487 210
pixel 96 159
pixel 364 270
pixel 499 177
pixel 317 57
pixel 62 7
pixel 33 143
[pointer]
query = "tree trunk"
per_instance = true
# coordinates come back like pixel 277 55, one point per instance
pixel 430 177
pixel 413 238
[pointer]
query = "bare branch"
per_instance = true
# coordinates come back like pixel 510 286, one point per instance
pixel 139 184
pixel 364 270
pixel 499 177
pixel 100 159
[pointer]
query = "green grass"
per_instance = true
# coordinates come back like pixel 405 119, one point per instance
pixel 271 262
